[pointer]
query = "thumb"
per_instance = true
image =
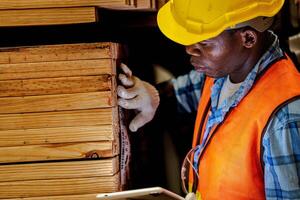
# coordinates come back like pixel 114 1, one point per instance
pixel 138 121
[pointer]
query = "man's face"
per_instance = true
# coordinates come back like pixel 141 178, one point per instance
pixel 219 56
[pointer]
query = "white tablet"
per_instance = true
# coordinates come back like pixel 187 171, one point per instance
pixel 153 193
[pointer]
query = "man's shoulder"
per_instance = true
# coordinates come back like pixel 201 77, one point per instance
pixel 287 114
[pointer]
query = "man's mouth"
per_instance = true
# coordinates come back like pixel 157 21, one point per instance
pixel 198 67
pixel 201 69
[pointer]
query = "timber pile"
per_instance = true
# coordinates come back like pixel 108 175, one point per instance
pixel 160 3
pixel 59 130
pixel 53 12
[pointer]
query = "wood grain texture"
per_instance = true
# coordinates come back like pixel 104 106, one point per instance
pixel 115 112
pixel 64 52
pixel 50 86
pixel 59 170
pixel 93 117
pixel 21 4
pixel 54 69
pixel 59 125
pixel 47 16
pixel 144 4
pixel 58 102
pixel 38 188
pixel 9 138
pixel 65 151
pixel 160 3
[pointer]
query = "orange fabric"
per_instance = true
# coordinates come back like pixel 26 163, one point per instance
pixel 230 165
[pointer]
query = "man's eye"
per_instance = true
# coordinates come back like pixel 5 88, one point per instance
pixel 204 44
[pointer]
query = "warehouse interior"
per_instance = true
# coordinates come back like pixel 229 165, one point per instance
pixel 156 150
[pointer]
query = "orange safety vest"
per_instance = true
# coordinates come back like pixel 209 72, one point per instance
pixel 230 165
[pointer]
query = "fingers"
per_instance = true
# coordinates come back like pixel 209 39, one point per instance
pixel 138 121
pixel 126 93
pixel 126 70
pixel 126 81
pixel 138 95
pixel 134 103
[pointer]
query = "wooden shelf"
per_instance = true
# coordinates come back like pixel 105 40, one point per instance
pixel 14 13
pixel 30 4
pixel 47 16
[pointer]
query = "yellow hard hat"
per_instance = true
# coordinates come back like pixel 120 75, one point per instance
pixel 190 21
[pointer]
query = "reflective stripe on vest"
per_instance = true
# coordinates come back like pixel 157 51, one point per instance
pixel 230 165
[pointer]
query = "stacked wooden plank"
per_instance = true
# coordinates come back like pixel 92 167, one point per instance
pixel 59 130
pixel 160 3
pixel 53 12
pixel 144 4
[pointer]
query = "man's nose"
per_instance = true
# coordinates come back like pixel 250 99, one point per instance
pixel 192 50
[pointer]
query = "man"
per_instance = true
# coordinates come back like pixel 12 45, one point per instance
pixel 247 133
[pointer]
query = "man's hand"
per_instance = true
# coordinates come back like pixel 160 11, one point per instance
pixel 139 95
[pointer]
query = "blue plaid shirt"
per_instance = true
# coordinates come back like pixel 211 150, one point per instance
pixel 281 141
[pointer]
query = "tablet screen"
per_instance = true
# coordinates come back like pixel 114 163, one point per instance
pixel 154 193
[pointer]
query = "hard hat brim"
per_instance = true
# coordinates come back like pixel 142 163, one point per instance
pixel 191 33
pixel 172 29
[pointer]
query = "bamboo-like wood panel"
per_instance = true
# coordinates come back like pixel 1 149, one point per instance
pixel 59 170
pixel 55 69
pixel 38 188
pixel 65 151
pixel 93 117
pixel 21 4
pixel 69 52
pixel 47 16
pixel 58 102
pixel 9 138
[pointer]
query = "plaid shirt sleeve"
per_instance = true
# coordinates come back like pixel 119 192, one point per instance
pixel 187 89
pixel 281 154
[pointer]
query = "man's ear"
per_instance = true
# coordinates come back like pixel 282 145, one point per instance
pixel 249 38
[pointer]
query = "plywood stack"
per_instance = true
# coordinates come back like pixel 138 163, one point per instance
pixel 59 132
pixel 53 12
